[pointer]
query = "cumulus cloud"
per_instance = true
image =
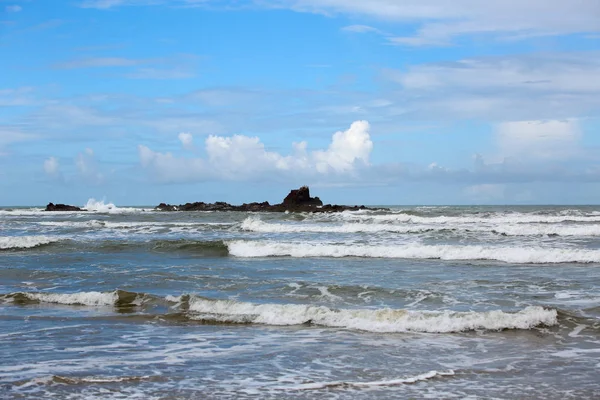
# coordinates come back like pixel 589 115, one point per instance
pixel 346 148
pixel 242 157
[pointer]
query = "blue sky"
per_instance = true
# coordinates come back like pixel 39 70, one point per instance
pixel 379 102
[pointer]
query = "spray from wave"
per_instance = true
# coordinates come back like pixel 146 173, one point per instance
pixel 100 206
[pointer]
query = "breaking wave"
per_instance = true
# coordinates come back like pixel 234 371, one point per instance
pixel 254 224
pixel 25 242
pixel 381 320
pixel 384 320
pixel 118 298
pixel 391 382
pixel 492 218
pixel 517 255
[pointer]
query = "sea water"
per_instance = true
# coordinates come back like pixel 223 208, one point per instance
pixel 410 302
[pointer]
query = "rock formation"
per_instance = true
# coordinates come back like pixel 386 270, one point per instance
pixel 62 207
pixel 298 200
pixel 301 197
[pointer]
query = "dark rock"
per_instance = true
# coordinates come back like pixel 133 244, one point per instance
pixel 297 200
pixel 62 207
pixel 165 207
pixel 301 197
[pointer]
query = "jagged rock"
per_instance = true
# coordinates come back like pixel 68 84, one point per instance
pixel 301 197
pixel 166 207
pixel 62 207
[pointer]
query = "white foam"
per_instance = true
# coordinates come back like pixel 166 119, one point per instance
pixel 80 298
pixel 139 225
pixel 543 229
pixel 22 211
pixel 496 218
pixel 517 255
pixel 381 320
pixel 391 382
pixel 25 242
pixel 254 224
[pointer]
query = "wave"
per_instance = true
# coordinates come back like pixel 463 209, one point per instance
pixel 119 298
pixel 134 225
pixel 25 242
pixel 494 218
pixel 254 224
pixel 346 384
pixel 517 255
pixel 384 320
pixel 99 206
pixel 371 320
pixel 207 248
pixel 66 380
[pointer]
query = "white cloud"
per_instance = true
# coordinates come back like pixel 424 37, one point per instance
pixel 88 168
pixel 485 193
pixel 14 8
pixel 540 72
pixel 187 140
pixel 361 29
pixel 345 149
pixel 537 86
pixel 242 157
pixel 52 167
pixel 437 21
pixel 440 22
pixel 539 139
pixel 178 72
pixel 21 96
pixel 180 66
pixel 100 62
pixel 11 134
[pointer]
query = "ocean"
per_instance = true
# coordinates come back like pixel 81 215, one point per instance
pixel 410 302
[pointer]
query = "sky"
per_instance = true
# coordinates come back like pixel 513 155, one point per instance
pixel 427 102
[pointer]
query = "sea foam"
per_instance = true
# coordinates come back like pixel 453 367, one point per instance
pixel 392 382
pixel 254 224
pixel 496 218
pixel 114 298
pixel 517 255
pixel 25 242
pixel 380 320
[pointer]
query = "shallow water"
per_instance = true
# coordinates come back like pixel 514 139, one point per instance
pixel 421 302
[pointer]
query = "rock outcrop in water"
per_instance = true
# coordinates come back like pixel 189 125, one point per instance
pixel 62 207
pixel 298 200
pixel 301 197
